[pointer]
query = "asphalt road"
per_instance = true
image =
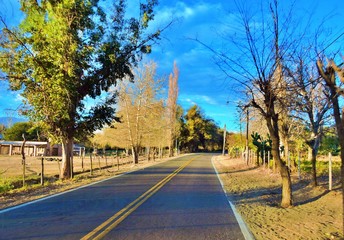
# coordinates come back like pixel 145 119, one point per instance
pixel 179 199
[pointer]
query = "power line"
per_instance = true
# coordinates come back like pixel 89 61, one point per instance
pixel 340 35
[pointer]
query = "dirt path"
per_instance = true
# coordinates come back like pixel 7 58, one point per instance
pixel 256 193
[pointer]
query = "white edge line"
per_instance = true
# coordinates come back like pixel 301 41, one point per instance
pixel 71 190
pixel 243 227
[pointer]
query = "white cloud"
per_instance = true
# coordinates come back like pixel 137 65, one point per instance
pixel 197 99
pixel 185 11
pixel 208 100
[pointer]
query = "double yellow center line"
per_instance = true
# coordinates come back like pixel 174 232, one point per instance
pixel 104 228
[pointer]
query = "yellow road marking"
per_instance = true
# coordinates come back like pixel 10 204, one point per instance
pixel 116 219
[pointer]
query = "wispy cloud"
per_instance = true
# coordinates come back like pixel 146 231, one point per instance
pixel 183 10
pixel 197 99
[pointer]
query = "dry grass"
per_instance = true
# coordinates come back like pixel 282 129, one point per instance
pixel 11 169
pixel 11 166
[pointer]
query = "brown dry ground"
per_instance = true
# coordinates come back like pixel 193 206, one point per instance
pixel 11 167
pixel 256 193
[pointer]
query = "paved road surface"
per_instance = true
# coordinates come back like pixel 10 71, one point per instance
pixel 178 199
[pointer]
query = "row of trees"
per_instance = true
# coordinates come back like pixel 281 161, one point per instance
pixel 147 120
pixel 259 140
pixel 286 81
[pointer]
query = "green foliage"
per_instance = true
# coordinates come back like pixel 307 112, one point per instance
pixel 5 185
pixel 235 143
pixel 16 183
pixel 31 132
pixel 2 128
pixel 200 132
pixel 322 167
pixel 65 52
pixel 261 144
pixel 329 143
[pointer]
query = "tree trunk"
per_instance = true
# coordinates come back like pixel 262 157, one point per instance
pixel 257 163
pixel 287 199
pixel 171 143
pixel 286 187
pixel 330 79
pixel 67 159
pixel 314 168
pixel 313 145
pixel 22 150
pixel 135 150
pixel 148 153
pixel 309 155
pixel 342 175
pixel 286 148
pixel 340 130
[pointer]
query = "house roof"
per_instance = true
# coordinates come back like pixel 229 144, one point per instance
pixel 19 143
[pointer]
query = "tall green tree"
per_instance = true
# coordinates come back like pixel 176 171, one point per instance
pixel 65 52
pixel 202 133
pixel 31 132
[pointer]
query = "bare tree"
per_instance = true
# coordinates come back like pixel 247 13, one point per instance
pixel 256 62
pixel 137 103
pixel 310 102
pixel 336 90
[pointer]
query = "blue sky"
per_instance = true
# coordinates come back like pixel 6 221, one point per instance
pixel 200 82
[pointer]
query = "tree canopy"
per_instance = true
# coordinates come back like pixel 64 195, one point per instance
pixel 31 132
pixel 202 133
pixel 65 53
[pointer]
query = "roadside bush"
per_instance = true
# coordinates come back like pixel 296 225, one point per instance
pixel 6 185
pixel 322 167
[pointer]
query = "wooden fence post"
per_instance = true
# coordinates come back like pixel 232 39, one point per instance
pixel 82 163
pixel 99 163
pixel 23 158
pixel 117 161
pixel 42 171
pixel 91 169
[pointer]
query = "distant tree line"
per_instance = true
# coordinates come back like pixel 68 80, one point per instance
pixel 148 123
pixel 31 131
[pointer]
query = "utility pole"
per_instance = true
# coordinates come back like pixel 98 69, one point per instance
pixel 247 122
pixel 224 141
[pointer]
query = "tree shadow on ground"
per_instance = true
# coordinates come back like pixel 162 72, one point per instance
pixel 234 170
pixel 303 192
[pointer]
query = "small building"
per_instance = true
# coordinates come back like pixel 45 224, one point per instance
pixel 78 150
pixel 34 148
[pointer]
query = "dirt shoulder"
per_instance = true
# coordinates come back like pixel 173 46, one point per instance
pixel 256 193
pixel 19 196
